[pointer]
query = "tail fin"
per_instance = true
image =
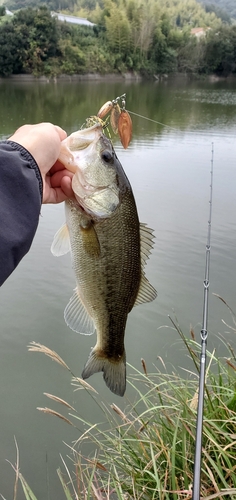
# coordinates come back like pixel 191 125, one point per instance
pixel 114 372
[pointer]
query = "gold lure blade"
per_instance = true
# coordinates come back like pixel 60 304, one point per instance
pixel 114 118
pixel 104 110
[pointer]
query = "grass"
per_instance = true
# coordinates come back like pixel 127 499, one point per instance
pixel 147 451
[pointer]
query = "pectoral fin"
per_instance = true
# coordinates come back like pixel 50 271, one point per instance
pixel 61 242
pixel 76 316
pixel 90 240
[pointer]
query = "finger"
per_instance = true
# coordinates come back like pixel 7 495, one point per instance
pixel 56 167
pixel 56 195
pixel 56 179
pixel 62 133
pixel 66 187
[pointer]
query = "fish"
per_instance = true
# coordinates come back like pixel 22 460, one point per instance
pixel 109 249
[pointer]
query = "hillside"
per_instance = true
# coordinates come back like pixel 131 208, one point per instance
pixel 225 6
pixel 151 37
pixel 224 9
pixel 178 12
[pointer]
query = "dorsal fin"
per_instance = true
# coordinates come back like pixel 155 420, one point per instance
pixel 146 242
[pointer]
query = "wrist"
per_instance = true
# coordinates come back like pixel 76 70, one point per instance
pixel 30 162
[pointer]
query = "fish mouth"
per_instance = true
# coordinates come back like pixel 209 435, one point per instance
pixel 98 202
pixel 95 187
pixel 89 154
pixel 83 138
pixel 75 144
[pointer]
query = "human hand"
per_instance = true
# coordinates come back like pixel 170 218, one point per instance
pixel 43 141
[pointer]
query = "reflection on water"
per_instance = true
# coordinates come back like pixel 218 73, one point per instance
pixel 169 169
pixel 210 97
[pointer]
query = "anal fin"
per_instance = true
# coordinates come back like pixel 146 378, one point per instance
pixel 146 292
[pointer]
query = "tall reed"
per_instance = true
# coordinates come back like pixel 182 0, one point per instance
pixel 147 451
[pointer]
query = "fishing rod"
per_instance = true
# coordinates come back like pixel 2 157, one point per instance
pixel 204 335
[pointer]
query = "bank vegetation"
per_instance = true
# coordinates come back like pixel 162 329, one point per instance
pixel 146 451
pixel 148 37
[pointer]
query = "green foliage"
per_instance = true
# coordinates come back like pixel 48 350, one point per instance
pixel 11 55
pixel 190 56
pixel 117 30
pixel 215 53
pixel 222 14
pixel 220 51
pixel 73 60
pixel 54 5
pixel 147 36
pixel 2 10
pixel 31 38
pixel 228 6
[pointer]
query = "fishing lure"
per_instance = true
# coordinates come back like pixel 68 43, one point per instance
pixel 120 119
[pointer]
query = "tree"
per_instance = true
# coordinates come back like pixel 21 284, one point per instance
pixel 220 51
pixel 163 57
pixel 118 30
pixel 227 6
pixel 42 29
pixel 191 56
pixel 222 14
pixel 11 54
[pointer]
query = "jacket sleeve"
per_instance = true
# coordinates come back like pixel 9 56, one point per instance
pixel 20 204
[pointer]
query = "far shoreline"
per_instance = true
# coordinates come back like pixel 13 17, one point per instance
pixel 97 77
pixel 115 77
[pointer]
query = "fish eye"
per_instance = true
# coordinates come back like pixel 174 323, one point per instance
pixel 106 156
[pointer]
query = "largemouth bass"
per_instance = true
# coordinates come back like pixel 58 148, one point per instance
pixel 109 249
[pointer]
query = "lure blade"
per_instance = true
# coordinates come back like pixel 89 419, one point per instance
pixel 104 110
pixel 114 117
pixel 125 128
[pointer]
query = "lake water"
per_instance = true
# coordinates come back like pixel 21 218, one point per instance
pixel 168 164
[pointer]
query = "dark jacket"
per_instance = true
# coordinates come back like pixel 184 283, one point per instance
pixel 20 204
